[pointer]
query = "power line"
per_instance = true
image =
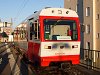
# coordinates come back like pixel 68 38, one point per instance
pixel 24 3
pixel 20 7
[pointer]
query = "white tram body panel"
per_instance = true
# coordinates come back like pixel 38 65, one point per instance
pixel 58 48
pixel 58 12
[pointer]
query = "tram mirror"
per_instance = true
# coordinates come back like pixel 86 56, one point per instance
pixel 82 28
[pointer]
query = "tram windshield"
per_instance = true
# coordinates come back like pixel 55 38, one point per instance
pixel 60 29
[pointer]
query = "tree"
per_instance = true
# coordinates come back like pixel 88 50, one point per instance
pixel 4 34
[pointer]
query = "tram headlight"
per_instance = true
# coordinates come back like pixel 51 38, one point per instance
pixel 47 47
pixel 75 46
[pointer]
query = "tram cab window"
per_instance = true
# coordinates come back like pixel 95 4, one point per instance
pixel 60 29
pixel 34 30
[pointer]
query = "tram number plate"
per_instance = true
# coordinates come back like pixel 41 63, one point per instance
pixel 59 53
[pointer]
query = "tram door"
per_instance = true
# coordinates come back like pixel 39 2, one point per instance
pixel 34 34
pixel 34 31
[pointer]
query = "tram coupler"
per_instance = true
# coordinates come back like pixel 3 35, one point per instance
pixel 66 65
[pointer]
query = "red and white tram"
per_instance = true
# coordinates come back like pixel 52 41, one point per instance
pixel 53 35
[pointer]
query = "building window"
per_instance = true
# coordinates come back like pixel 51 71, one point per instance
pixel 88 11
pixel 97 16
pixel 87 45
pixel 98 35
pixel 5 24
pixel 88 29
pixel 88 48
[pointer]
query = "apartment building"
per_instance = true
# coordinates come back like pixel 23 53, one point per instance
pixel 92 28
pixel 5 27
pixel 20 32
pixel 71 4
pixel 89 14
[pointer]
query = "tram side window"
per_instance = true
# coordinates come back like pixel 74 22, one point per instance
pixel 36 30
pixel 31 30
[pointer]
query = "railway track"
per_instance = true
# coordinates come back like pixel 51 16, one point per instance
pixel 23 67
pixel 3 48
pixel 64 69
pixel 55 70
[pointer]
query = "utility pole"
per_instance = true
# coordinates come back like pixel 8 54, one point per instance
pixel 3 31
pixel 0 20
pixel 11 22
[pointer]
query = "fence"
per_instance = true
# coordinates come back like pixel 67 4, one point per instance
pixel 90 58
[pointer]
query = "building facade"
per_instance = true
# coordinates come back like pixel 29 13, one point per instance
pixel 89 14
pixel 7 28
pixel 92 29
pixel 20 32
pixel 76 5
pixel 71 4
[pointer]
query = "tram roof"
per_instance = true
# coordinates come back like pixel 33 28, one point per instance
pixel 53 12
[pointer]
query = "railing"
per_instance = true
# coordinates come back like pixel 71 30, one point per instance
pixel 90 58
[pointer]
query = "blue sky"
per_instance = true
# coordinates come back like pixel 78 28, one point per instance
pixel 18 10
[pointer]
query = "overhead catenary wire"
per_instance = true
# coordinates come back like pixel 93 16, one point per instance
pixel 24 3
